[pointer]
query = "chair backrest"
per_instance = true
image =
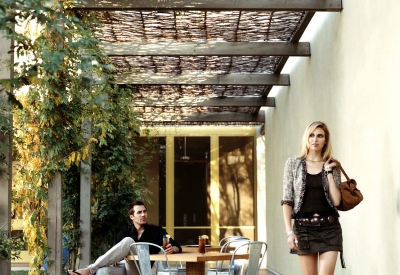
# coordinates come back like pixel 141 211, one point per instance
pixel 256 252
pixel 141 256
pixel 229 239
pixel 236 243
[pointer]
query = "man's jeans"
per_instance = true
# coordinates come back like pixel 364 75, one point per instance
pixel 104 265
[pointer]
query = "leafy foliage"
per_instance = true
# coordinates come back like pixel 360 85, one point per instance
pixel 10 248
pixel 62 78
pixel 118 178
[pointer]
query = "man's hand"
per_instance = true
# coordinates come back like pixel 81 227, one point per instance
pixel 170 249
pixel 118 263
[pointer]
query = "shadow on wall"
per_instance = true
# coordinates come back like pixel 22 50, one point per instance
pixel 236 183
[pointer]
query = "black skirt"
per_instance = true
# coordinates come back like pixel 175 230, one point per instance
pixel 318 239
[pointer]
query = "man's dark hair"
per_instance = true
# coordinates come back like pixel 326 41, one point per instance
pixel 132 205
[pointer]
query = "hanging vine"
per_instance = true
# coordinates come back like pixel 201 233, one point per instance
pixel 61 78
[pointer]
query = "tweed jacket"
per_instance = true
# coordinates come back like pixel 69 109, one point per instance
pixel 294 183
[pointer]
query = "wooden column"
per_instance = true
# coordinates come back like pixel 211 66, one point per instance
pixel 214 189
pixel 5 169
pixel 55 224
pixel 54 234
pixel 85 191
pixel 169 153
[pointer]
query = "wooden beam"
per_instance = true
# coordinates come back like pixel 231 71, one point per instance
pixel 5 152
pixel 208 49
pixel 207 102
pixel 214 5
pixel 85 199
pixel 204 79
pixel 207 117
pixel 5 192
pixel 295 38
pixel 55 224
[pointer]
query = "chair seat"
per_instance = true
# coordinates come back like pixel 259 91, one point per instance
pixel 179 271
pixel 220 271
pixel 161 269
pixel 173 272
pixel 235 270
pixel 141 256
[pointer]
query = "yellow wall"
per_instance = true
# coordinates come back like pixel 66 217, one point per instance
pixel 351 82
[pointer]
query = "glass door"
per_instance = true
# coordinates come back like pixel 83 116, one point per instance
pixel 191 188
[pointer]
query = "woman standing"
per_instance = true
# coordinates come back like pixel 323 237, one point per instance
pixel 311 191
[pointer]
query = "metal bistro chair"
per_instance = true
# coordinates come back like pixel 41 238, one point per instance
pixel 141 256
pixel 233 267
pixel 162 268
pixel 231 238
pixel 256 252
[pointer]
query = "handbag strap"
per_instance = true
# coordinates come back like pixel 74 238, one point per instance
pixel 344 173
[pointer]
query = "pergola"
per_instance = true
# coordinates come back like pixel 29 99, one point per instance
pixel 204 62
pixel 194 62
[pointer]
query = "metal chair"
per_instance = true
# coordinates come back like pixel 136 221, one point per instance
pixel 256 250
pixel 162 269
pixel 141 256
pixel 230 238
pixel 233 267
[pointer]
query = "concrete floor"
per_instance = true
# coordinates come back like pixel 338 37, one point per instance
pixel 25 267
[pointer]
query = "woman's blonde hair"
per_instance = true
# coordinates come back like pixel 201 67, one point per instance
pixel 326 150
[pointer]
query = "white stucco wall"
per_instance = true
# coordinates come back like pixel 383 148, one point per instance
pixel 351 82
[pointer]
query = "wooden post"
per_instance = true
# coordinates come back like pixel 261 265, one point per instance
pixel 85 203
pixel 55 224
pixel 5 169
pixel 54 235
pixel 5 197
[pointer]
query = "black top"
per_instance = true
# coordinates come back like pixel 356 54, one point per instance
pixel 151 234
pixel 315 201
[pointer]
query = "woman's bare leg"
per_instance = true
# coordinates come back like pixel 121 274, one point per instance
pixel 327 262
pixel 309 264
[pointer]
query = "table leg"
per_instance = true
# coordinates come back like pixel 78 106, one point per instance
pixel 197 268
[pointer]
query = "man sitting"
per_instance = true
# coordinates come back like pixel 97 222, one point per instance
pixel 112 261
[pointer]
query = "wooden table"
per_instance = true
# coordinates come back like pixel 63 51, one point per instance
pixel 213 248
pixel 195 263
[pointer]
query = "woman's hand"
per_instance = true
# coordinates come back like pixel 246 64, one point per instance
pixel 334 193
pixel 330 163
pixel 292 242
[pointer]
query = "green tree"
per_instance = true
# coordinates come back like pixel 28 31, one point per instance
pixel 58 58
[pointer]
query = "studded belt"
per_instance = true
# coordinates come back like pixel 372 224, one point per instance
pixel 316 221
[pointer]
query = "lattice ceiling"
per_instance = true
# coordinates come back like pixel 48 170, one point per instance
pixel 214 63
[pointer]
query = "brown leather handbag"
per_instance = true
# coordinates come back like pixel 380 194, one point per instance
pixel 351 196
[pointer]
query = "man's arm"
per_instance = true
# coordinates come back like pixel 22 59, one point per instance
pixel 175 246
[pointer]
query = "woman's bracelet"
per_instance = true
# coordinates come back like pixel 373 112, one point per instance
pixel 290 233
pixel 173 249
